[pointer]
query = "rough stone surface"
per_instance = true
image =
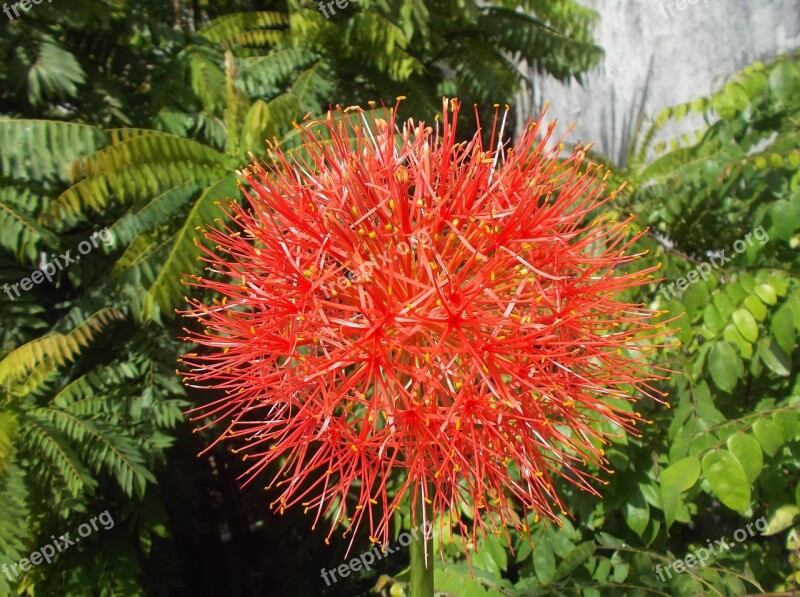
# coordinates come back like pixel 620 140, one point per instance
pixel 656 59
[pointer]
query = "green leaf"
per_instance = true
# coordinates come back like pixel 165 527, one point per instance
pixel 774 357
pixel 575 558
pixel 725 366
pixel 783 329
pixel 784 81
pixel 544 561
pixel 727 478
pixel 769 435
pixel 674 480
pixel 637 513
pixel 782 519
pixel 756 307
pixel 732 335
pixel 789 422
pixel 712 319
pixel 746 324
pixel 724 305
pixel 767 294
pixel 748 452
pixel 455 582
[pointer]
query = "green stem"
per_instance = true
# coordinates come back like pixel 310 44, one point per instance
pixel 422 567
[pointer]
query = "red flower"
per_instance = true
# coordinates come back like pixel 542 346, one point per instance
pixel 403 314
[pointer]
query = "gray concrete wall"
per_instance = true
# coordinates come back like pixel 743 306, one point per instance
pixel 660 53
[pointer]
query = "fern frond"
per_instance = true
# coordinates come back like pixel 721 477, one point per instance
pixel 60 348
pixel 167 289
pixel 263 74
pixel 152 212
pixel 51 448
pixel 258 39
pixel 129 149
pixel 226 29
pixel 144 255
pixel 55 73
pixel 311 85
pixel 104 447
pixel 543 46
pixel 75 397
pixel 206 76
pixel 39 380
pixel 19 232
pixel 482 70
pixel 43 149
pixel 266 120
pixel 8 431
pixel 383 44
pixel 15 536
pixel 140 164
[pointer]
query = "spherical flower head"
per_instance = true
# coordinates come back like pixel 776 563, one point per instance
pixel 406 316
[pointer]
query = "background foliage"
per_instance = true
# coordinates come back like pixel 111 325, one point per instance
pixel 136 116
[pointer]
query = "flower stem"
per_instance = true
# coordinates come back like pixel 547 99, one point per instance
pixel 422 566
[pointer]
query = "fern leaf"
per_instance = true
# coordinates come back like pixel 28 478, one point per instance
pixel 55 73
pixel 19 231
pixel 266 120
pixel 152 212
pixel 545 47
pixel 482 70
pixel 167 289
pixel 8 431
pixel 104 446
pixel 44 149
pixel 40 438
pixel 383 44
pixel 224 30
pixel 206 77
pixel 136 165
pixel 60 348
pixel 14 533
pixel 262 75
